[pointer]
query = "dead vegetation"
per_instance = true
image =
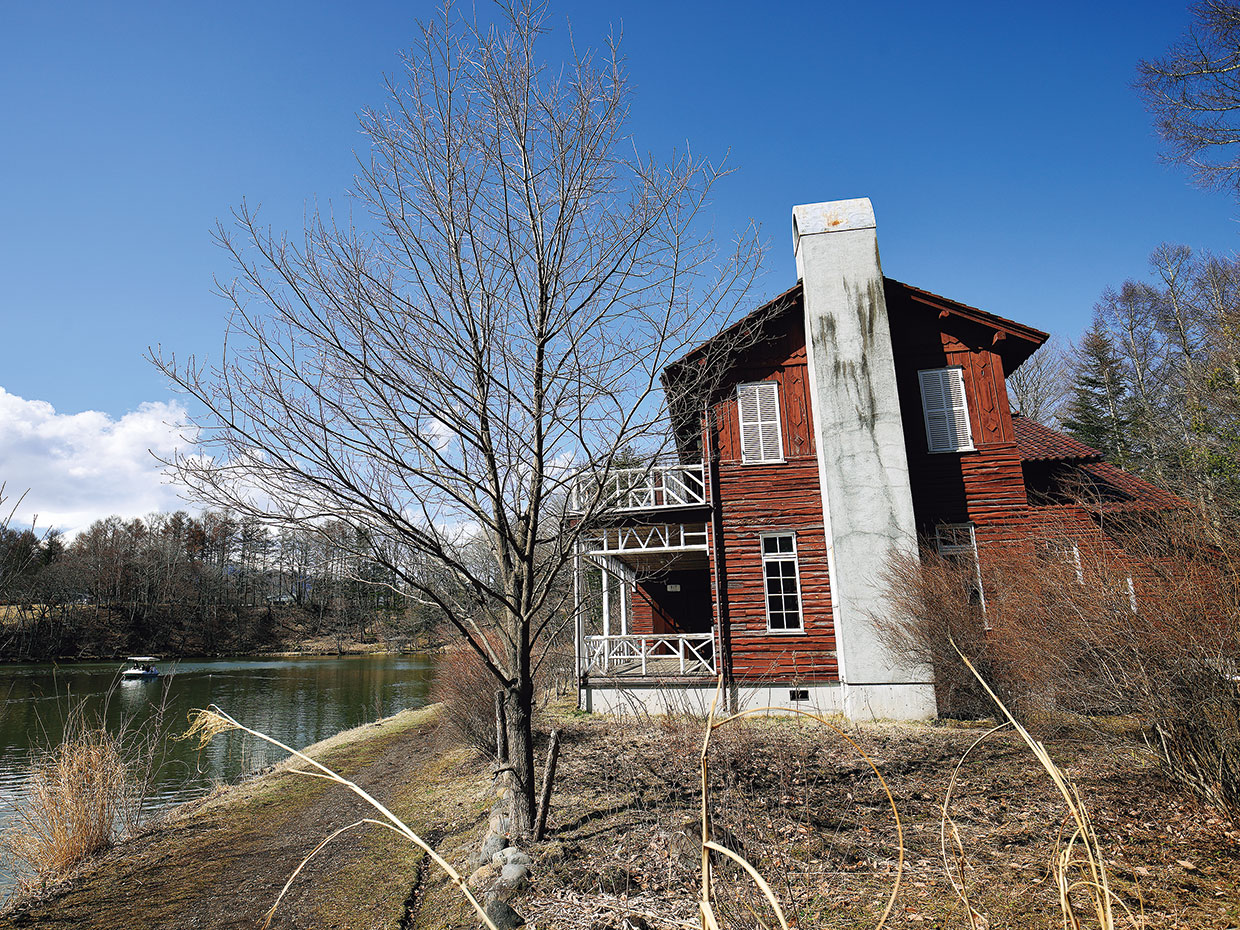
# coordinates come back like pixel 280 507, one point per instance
pixel 83 795
pixel 1122 614
pixel 793 799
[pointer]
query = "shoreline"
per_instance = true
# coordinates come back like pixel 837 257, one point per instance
pixel 353 650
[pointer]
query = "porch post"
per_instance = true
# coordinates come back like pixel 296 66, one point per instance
pixel 606 603
pixel 624 606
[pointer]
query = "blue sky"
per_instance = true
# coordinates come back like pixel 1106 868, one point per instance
pixel 1010 165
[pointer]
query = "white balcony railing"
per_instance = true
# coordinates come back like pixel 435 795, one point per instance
pixel 653 488
pixel 679 653
pixel 659 537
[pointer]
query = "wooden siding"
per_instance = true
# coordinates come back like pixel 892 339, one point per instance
pixel 774 497
pixel 982 485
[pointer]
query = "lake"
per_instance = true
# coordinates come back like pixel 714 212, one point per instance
pixel 298 701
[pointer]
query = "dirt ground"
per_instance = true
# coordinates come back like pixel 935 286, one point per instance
pixel 794 798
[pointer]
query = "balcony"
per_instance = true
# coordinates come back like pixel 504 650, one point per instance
pixel 634 490
pixel 650 546
pixel 652 656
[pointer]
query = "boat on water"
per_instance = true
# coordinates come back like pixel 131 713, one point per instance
pixel 141 668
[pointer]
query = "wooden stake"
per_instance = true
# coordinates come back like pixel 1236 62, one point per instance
pixel 544 800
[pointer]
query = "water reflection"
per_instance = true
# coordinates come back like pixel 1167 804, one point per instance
pixel 299 701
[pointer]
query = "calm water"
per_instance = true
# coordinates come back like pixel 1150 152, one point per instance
pixel 299 701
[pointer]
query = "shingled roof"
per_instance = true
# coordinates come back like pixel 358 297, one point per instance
pixel 1128 491
pixel 1036 442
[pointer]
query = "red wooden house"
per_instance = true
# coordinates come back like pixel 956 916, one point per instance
pixel 852 414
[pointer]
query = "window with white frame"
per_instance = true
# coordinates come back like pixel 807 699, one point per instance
pixel 782 576
pixel 1065 552
pixel 757 407
pixel 945 409
pixel 957 542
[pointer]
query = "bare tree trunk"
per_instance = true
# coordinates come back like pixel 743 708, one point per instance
pixel 501 729
pixel 519 709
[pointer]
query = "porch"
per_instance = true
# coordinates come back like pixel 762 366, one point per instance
pixel 661 655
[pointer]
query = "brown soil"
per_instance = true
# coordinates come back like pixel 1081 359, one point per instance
pixel 795 799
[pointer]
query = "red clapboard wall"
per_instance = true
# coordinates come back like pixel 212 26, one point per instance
pixel 772 497
pixel 956 487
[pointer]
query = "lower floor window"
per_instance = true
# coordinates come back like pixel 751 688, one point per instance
pixel 783 582
pixel 957 543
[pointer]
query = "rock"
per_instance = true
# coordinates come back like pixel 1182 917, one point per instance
pixel 511 855
pixel 499 823
pixel 484 876
pixel 493 843
pixel 512 878
pixel 502 915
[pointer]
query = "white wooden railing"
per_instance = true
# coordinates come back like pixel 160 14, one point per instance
pixel 693 653
pixel 656 487
pixel 659 537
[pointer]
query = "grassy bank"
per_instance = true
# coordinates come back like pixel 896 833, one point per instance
pixel 796 800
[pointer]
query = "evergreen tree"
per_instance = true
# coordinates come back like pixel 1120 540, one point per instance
pixel 1099 410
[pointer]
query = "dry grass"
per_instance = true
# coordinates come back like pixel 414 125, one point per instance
pixel 206 724
pixel 79 800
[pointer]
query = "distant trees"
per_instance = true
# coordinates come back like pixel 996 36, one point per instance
pixel 1097 412
pixel 175 582
pixel 1156 379
pixel 1194 96
pixel 1039 388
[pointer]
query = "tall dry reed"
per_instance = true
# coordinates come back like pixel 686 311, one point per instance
pixel 78 801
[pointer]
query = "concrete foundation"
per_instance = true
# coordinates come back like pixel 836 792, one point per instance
pixel 860 703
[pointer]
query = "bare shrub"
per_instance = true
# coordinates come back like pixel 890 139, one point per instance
pixel 1115 614
pixel 936 605
pixel 466 688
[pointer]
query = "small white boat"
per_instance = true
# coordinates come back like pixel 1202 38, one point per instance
pixel 141 668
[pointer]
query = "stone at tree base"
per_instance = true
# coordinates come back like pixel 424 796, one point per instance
pixel 493 843
pixel 484 876
pixel 502 915
pixel 511 855
pixel 499 822
pixel 512 878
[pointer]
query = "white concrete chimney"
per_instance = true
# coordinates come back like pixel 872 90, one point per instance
pixel 862 466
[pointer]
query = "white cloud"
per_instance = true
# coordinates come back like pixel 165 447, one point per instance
pixel 80 467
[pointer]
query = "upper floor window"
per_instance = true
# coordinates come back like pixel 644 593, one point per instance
pixel 757 408
pixel 945 409
pixel 782 576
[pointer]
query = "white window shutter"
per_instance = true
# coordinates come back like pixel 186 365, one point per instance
pixel 946 410
pixel 757 407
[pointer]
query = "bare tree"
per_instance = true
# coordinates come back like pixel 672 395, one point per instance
pixel 1039 388
pixel 439 371
pixel 1193 93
